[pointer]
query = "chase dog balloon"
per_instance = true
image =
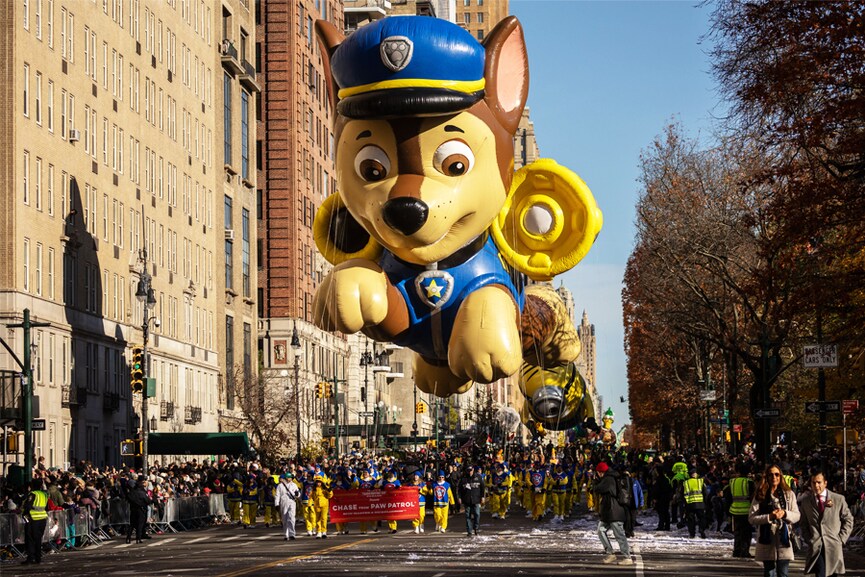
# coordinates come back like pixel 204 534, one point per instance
pixel 431 233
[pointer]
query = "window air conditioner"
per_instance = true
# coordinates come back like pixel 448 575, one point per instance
pixel 74 135
pixel 229 234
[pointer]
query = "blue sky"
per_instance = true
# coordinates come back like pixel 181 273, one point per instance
pixel 606 77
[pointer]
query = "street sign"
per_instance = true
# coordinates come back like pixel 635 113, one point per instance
pixel 815 407
pixel 737 428
pixel 366 414
pixel 816 356
pixel 708 395
pixel 38 425
pixel 850 407
pixel 767 413
pixel 718 421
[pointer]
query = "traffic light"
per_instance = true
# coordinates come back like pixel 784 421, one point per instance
pixel 12 443
pixel 319 390
pixel 137 371
pixel 419 408
pixel 328 390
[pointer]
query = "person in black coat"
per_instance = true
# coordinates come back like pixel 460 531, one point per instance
pixel 612 515
pixel 138 500
pixel 471 490
pixel 454 479
pixel 662 493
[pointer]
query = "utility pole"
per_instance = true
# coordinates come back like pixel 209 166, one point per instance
pixel 144 294
pixel 296 347
pixel 27 390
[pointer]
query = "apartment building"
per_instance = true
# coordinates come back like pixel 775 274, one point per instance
pixel 128 137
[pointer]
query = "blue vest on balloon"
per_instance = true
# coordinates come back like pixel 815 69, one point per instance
pixel 433 296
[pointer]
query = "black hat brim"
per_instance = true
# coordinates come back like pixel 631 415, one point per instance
pixel 395 103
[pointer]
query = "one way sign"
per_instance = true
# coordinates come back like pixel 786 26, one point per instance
pixel 815 407
pixel 767 413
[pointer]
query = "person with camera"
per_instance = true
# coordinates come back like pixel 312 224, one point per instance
pixel 774 511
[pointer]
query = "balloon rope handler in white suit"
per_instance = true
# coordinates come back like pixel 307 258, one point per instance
pixel 287 493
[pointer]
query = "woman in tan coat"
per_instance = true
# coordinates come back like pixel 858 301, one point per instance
pixel 773 512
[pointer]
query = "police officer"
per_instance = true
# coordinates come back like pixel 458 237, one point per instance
pixel 694 495
pixel 741 491
pixel 37 517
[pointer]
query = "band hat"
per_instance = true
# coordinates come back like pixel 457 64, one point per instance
pixel 408 65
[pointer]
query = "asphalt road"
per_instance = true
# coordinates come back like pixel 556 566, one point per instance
pixel 516 546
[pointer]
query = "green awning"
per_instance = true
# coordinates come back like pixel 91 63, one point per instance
pixel 197 444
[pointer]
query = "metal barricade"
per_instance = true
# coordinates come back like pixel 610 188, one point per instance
pixel 12 534
pixel 217 506
pixel 169 516
pixel 56 530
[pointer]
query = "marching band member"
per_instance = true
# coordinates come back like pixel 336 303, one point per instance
pixel 249 497
pixel 308 486
pixel 442 499
pixel 320 499
pixel 423 491
pixel 391 483
pixel 366 483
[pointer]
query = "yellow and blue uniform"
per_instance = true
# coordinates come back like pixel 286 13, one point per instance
pixel 271 515
pixel 501 484
pixel 306 502
pixel 540 482
pixel 366 483
pixel 422 492
pixel 234 490
pixel 320 499
pixel 389 485
pixel 442 498
pixel 559 482
pixel 249 497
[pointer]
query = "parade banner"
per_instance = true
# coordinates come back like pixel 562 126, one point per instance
pixel 372 505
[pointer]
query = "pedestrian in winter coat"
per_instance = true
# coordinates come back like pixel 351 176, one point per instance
pixel 139 501
pixel 826 525
pixel 612 515
pixel 472 489
pixel 287 493
pixel 774 512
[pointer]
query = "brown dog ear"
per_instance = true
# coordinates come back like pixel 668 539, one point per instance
pixel 507 72
pixel 329 39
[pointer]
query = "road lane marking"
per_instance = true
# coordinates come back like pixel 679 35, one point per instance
pixel 197 540
pixel 278 562
pixel 232 538
pixel 161 542
pixel 263 537
pixel 438 575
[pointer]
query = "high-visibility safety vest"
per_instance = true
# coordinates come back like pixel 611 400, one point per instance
pixel 693 491
pixel 741 501
pixel 40 501
pixel 791 482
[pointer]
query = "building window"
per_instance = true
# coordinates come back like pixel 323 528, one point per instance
pixel 38 91
pixel 226 120
pixel 228 245
pixel 247 352
pixel 467 17
pixel 229 362
pixel 244 134
pixel 26 90
pixel 245 254
pixel 26 264
pixel 25 178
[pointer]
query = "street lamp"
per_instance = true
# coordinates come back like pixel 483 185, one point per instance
pixel 295 346
pixel 365 362
pixel 380 408
pixel 144 294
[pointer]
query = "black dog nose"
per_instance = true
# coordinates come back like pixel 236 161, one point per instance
pixel 405 214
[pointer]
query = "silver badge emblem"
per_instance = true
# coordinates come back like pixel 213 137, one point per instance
pixel 396 52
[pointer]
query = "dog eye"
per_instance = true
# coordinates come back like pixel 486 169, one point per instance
pixel 453 158
pixel 371 163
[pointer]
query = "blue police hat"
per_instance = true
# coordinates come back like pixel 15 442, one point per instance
pixel 408 65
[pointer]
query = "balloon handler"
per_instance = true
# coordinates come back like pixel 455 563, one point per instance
pixel 431 233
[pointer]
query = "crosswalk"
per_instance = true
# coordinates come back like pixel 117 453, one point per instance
pixel 161 542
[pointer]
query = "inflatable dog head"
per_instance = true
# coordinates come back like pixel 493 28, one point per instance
pixel 424 125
